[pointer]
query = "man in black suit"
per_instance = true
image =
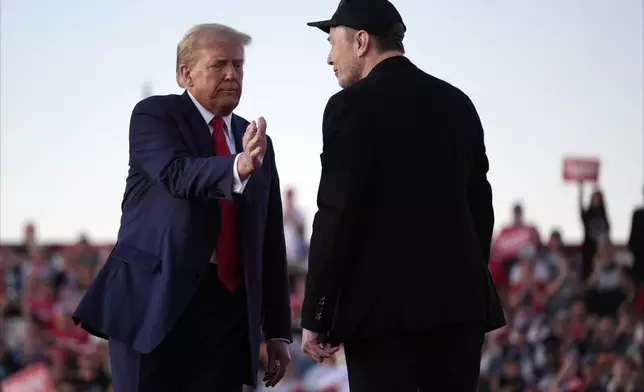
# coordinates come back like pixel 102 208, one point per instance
pixel 398 257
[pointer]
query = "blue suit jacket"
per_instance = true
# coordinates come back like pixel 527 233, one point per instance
pixel 169 229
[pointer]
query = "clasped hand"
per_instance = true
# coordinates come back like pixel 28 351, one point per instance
pixel 315 346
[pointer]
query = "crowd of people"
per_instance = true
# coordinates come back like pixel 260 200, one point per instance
pixel 574 313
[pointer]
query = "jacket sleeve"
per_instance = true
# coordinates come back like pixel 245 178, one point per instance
pixel 346 163
pixel 479 191
pixel 158 151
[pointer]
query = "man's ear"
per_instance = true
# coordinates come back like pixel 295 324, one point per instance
pixel 186 76
pixel 363 40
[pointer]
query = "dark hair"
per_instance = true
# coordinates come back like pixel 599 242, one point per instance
pixel 392 39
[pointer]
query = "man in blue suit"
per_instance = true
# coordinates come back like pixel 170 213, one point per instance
pixel 199 268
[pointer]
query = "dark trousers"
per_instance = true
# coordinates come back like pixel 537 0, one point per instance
pixel 207 350
pixel 444 359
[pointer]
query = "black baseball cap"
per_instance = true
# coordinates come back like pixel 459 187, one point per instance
pixel 373 16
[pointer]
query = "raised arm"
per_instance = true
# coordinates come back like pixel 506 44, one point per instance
pixel 158 152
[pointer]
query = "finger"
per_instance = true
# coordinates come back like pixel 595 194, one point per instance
pixel 256 152
pixel 261 124
pixel 251 130
pixel 319 353
pixel 312 353
pixel 330 350
pixel 281 371
pixel 256 140
pixel 271 378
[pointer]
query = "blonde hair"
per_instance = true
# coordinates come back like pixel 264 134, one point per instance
pixel 194 38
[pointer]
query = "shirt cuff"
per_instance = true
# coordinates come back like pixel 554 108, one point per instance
pixel 238 184
pixel 279 340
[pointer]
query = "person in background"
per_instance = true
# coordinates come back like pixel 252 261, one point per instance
pixel 622 376
pixel 510 245
pixel 85 255
pixel 563 283
pixel 294 230
pixel 90 376
pixel 519 233
pixel 608 284
pixel 590 374
pixel 596 226
pixel 567 379
pixel 510 378
pixel 603 342
pixel 578 320
pixel 527 284
pixel 636 244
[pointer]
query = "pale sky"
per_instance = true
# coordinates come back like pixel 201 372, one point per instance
pixel 549 78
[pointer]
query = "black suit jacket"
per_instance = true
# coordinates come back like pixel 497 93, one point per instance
pixel 402 235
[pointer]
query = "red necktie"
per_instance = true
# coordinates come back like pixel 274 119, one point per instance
pixel 227 264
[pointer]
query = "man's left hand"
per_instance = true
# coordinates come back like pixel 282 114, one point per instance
pixel 279 358
pixel 315 346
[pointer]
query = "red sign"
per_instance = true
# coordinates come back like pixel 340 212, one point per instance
pixel 512 240
pixel 35 378
pixel 581 169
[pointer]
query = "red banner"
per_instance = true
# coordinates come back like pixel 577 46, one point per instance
pixel 581 169
pixel 35 378
pixel 512 240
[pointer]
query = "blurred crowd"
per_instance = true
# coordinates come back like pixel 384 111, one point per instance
pixel 574 313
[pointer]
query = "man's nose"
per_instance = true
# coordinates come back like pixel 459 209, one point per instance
pixel 230 72
pixel 329 60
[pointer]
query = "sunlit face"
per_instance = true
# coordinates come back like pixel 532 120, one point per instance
pixel 215 77
pixel 343 56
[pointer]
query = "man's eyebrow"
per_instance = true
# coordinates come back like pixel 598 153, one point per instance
pixel 225 60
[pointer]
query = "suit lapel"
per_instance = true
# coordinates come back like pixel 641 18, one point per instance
pixel 198 126
pixel 238 132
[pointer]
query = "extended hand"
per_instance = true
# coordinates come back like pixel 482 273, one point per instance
pixel 314 346
pixel 254 148
pixel 278 359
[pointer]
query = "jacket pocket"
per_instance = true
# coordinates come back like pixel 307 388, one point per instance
pixel 136 258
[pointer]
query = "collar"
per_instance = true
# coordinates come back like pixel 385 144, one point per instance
pixel 207 116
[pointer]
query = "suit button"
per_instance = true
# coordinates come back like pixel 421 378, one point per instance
pixel 197 277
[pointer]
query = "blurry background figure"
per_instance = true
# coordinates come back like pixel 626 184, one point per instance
pixel 608 284
pixel 636 244
pixel 596 226
pixel 294 230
